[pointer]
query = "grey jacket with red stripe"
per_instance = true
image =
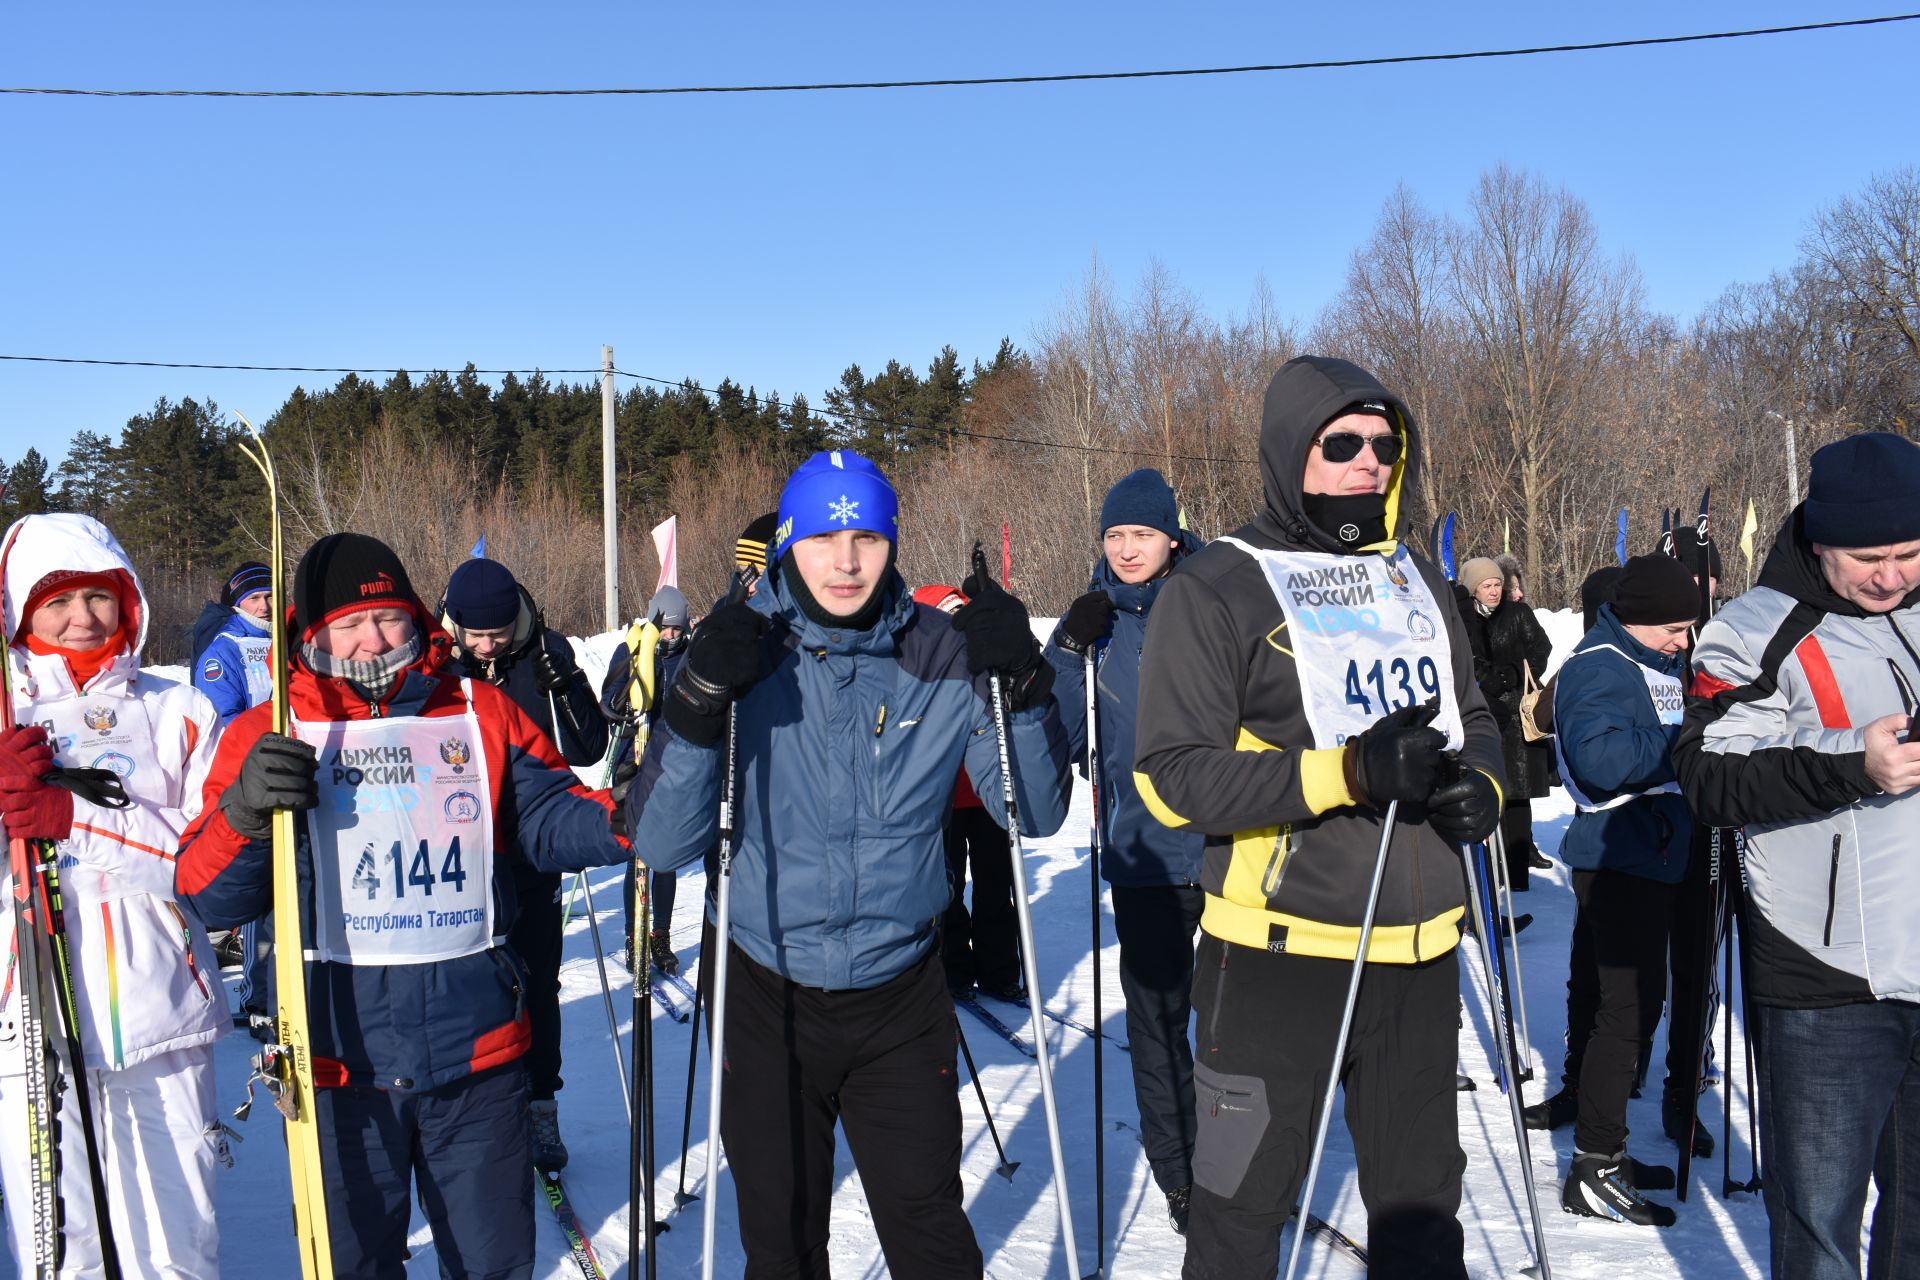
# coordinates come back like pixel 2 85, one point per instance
pixel 1785 679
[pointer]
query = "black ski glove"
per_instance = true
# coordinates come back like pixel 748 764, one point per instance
pixel 1399 758
pixel 278 773
pixel 1465 809
pixel 1089 620
pixel 1000 638
pixel 551 672
pixel 723 661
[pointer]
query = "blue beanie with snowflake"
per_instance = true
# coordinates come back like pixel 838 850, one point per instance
pixel 832 491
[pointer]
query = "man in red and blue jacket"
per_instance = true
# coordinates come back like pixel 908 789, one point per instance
pixel 417 790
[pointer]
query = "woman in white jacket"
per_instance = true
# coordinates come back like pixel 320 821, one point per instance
pixel 147 989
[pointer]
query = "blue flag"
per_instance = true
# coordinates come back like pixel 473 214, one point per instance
pixel 1620 538
pixel 1446 547
pixel 479 548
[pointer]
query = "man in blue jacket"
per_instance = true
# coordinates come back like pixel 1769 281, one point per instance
pixel 854 710
pixel 231 666
pixel 1617 707
pixel 1154 870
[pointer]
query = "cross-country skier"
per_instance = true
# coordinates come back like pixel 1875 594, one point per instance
pixel 146 986
pixel 1154 871
pixel 231 666
pixel 978 946
pixel 1617 706
pixel 231 650
pixel 416 790
pixel 855 708
pixel 1296 679
pixel 1798 730
pixel 500 636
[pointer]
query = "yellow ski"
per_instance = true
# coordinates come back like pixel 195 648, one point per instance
pixel 289 1064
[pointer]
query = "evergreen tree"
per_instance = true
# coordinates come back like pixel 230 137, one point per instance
pixel 86 477
pixel 27 493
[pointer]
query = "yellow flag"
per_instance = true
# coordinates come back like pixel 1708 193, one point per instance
pixel 1746 533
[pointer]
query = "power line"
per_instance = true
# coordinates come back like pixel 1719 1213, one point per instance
pixel 688 383
pixel 954 82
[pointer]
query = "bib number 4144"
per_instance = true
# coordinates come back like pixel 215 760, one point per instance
pixel 1389 685
pixel 417 872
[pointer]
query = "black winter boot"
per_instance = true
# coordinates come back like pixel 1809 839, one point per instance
pixel 1179 1208
pixel 1676 1117
pixel 1556 1112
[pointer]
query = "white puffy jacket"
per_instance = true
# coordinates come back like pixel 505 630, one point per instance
pixel 147 980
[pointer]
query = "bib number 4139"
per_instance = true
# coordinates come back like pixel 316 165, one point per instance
pixel 1390 685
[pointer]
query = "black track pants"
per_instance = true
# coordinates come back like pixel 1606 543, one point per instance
pixel 535 938
pixel 1616 976
pixel 1267 1027
pixel 1156 926
pixel 880 1062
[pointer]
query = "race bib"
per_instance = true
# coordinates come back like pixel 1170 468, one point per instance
pixel 403 840
pixel 1367 638
pixel 256 653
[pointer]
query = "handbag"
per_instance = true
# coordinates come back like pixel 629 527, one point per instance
pixel 1536 705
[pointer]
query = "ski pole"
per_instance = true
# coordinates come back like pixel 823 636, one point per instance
pixel 1489 918
pixel 1099 1027
pixel 1727 1187
pixel 681 1197
pixel 1024 913
pixel 1006 1167
pixel 606 995
pixel 642 641
pixel 1340 1041
pixel 1541 1269
pixel 717 1013
pixel 1749 1025
pixel 1518 996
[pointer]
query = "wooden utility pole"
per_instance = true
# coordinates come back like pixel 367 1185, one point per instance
pixel 608 517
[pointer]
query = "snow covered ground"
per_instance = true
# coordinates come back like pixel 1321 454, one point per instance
pixel 1015 1221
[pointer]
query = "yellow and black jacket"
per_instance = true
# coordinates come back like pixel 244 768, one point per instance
pixel 1224 746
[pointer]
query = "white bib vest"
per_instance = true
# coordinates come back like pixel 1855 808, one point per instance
pixel 1367 638
pixel 403 839
pixel 256 652
pixel 1669 704
pixel 108 733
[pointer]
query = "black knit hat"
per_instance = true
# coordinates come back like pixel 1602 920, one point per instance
pixel 750 550
pixel 250 577
pixel 347 571
pixel 1864 492
pixel 1655 590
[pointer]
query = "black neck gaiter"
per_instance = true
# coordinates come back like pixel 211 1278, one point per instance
pixel 1355 520
pixel 862 621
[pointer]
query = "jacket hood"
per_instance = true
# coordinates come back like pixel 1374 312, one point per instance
pixel 36 546
pixel 528 627
pixel 1304 395
pixel 1792 569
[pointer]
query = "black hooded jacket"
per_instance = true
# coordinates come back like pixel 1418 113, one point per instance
pixel 1224 745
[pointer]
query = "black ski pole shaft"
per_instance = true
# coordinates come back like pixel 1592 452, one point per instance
pixel 1006 1166
pixel 640 1135
pixel 680 1197
pixel 1099 1027
pixel 69 1014
pixel 1726 1064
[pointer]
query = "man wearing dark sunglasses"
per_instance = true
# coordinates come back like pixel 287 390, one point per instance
pixel 1298 677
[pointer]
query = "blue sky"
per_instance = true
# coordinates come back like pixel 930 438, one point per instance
pixel 776 238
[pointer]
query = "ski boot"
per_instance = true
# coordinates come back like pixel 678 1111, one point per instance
pixel 1556 1112
pixel 1179 1209
pixel 549 1152
pixel 1603 1187
pixel 661 944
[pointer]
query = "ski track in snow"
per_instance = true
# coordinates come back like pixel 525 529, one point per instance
pixel 1016 1222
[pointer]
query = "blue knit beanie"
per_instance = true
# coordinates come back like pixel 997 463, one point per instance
pixel 834 491
pixel 250 577
pixel 1865 492
pixel 1141 497
pixel 482 595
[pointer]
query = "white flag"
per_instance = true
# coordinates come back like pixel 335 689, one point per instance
pixel 666 542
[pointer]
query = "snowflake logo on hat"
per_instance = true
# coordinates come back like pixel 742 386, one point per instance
pixel 844 511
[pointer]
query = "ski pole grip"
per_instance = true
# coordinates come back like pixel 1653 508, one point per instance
pixel 100 787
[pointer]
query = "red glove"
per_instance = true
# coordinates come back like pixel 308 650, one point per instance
pixel 35 811
pixel 25 753
pixel 32 809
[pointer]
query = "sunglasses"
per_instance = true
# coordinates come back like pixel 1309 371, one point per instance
pixel 1345 446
